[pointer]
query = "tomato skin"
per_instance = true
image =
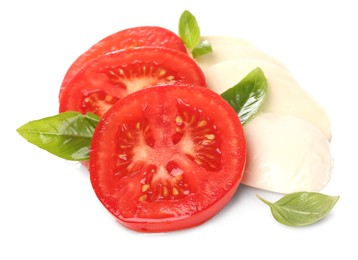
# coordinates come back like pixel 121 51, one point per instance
pixel 119 73
pixel 125 39
pixel 179 222
pixel 209 188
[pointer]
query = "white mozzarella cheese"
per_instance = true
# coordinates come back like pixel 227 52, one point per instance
pixel 235 52
pixel 286 154
pixel 217 41
pixel 285 96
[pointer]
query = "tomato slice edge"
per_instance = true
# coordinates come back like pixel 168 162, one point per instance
pixel 124 39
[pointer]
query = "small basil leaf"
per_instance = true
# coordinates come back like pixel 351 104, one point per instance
pixel 247 96
pixel 67 135
pixel 301 208
pixel 202 48
pixel 189 30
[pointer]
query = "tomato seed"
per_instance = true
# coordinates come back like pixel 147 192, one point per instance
pixel 202 123
pixel 179 120
pixel 175 191
pixel 145 187
pixel 210 136
pixel 143 197
pixel 165 191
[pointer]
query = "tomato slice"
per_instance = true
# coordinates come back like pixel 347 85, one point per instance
pixel 124 39
pixel 167 157
pixel 109 78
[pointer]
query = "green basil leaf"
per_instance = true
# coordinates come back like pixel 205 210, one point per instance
pixel 67 135
pixel 247 96
pixel 301 208
pixel 202 48
pixel 189 30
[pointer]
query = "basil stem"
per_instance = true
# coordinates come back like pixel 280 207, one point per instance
pixel 301 208
pixel 247 96
pixel 67 135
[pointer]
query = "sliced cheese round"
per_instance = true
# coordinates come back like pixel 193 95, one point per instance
pixel 235 52
pixel 217 41
pixel 226 74
pixel 284 96
pixel 286 154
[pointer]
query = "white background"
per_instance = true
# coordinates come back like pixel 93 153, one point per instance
pixel 47 207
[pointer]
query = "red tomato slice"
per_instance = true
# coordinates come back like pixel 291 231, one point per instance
pixel 108 78
pixel 129 38
pixel 167 157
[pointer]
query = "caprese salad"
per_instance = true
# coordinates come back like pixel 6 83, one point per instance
pixel 169 126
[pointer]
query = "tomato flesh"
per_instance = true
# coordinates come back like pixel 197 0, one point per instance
pixel 125 39
pixel 161 159
pixel 108 78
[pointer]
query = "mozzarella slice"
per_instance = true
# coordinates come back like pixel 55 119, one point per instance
pixel 217 41
pixel 285 96
pixel 226 74
pixel 235 52
pixel 286 154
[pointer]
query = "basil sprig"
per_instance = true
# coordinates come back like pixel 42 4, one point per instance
pixel 67 135
pixel 247 96
pixel 301 208
pixel 189 32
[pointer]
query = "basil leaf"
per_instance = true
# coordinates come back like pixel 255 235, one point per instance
pixel 202 48
pixel 67 135
pixel 189 30
pixel 247 96
pixel 301 208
